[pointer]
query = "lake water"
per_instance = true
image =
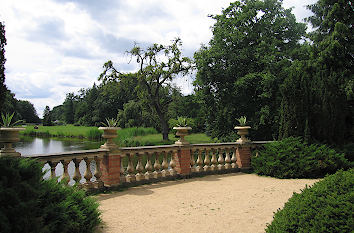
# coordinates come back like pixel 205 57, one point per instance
pixel 32 145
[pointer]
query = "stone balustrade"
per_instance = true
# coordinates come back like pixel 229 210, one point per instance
pixel 147 163
pixel 111 165
pixel 114 166
pixel 86 166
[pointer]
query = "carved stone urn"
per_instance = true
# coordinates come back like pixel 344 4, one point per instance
pixel 8 136
pixel 182 132
pixel 242 131
pixel 109 133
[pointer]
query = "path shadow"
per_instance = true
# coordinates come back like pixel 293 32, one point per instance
pixel 147 189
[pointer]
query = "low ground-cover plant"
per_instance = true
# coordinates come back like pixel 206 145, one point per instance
pixel 294 158
pixel 327 206
pixel 30 204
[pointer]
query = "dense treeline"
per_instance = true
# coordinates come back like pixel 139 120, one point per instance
pixel 91 106
pixel 23 109
pixel 262 64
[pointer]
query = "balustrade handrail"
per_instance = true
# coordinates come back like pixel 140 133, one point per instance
pixel 139 148
pixel 68 154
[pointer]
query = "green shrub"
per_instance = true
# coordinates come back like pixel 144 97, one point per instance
pixel 30 204
pixel 293 158
pixel 327 206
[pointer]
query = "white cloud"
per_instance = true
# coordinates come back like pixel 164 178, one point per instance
pixel 59 46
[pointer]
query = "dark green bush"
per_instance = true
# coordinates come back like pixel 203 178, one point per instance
pixel 30 204
pixel 293 158
pixel 327 206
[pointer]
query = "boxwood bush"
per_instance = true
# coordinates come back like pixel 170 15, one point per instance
pixel 31 204
pixel 327 206
pixel 294 158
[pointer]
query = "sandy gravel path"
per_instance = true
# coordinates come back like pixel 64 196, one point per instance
pixel 217 203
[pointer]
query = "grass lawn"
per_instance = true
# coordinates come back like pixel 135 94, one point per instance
pixel 156 139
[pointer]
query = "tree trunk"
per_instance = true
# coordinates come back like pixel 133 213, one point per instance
pixel 164 125
pixel 163 121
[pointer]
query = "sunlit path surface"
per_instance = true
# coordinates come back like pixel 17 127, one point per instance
pixel 216 203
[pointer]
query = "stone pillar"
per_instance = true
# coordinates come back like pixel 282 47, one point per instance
pixel 110 168
pixel 183 156
pixel 183 160
pixel 110 165
pixel 243 156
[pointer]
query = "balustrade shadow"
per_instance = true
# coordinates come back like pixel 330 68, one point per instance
pixel 147 189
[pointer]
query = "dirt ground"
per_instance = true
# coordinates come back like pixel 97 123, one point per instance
pixel 217 203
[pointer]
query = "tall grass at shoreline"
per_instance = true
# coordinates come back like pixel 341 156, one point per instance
pixel 63 131
pixel 135 136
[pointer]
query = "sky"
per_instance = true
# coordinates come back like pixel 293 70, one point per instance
pixel 59 46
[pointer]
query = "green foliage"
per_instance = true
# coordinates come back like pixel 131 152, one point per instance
pixel 30 204
pixel 327 206
pixel 242 120
pixel 243 65
pixel 69 108
pixel 125 136
pixel 27 112
pixel 186 121
pixel 110 122
pixel 94 134
pixel 62 131
pixel 317 95
pixel 47 117
pixel 294 158
pixel 182 122
pixel 7 120
pixel 158 65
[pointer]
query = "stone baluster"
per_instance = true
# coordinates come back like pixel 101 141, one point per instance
pixel 121 171
pixel 233 158
pixel 98 172
pixel 65 176
pixel 53 166
pixel 221 160
pixel 213 160
pixel 200 161
pixel 139 167
pixel 88 174
pixel 227 159
pixel 130 169
pixel 148 167
pixel 165 165
pixel 193 169
pixel 157 166
pixel 207 160
pixel 173 164
pixel 77 175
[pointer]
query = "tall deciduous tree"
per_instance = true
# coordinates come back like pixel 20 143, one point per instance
pixel 68 105
pixel 47 117
pixel 26 111
pixel 158 65
pixel 318 99
pixel 239 72
pixel 3 88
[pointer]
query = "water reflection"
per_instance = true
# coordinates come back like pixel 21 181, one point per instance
pixel 32 145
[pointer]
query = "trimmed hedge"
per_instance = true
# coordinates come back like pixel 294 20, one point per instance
pixel 327 206
pixel 294 158
pixel 31 204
